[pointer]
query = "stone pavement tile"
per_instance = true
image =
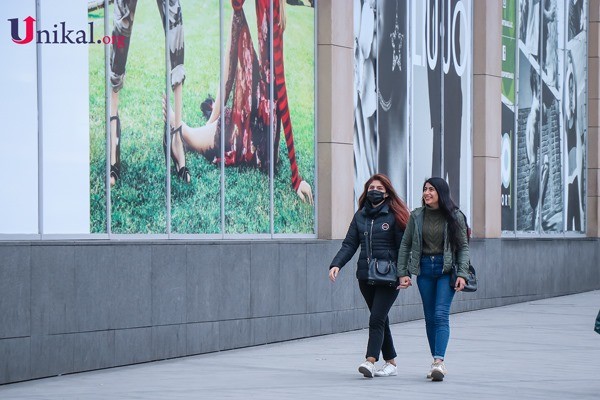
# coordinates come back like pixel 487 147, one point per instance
pixel 544 349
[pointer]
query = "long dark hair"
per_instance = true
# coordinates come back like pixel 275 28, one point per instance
pixel 399 208
pixel 447 207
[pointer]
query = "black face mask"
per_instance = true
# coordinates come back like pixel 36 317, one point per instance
pixel 375 196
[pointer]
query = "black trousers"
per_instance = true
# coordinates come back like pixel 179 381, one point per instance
pixel 379 300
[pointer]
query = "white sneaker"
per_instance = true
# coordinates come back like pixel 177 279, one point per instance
pixel 367 369
pixel 438 371
pixel 387 370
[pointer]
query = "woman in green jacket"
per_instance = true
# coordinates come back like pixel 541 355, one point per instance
pixel 434 240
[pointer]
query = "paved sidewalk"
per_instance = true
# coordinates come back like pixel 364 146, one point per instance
pixel 544 349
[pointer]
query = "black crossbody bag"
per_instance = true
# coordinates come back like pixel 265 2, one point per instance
pixel 380 272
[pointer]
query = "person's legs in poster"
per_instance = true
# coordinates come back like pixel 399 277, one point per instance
pixel 124 12
pixel 123 17
pixel 177 71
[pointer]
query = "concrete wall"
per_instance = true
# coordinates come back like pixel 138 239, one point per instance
pixel 75 306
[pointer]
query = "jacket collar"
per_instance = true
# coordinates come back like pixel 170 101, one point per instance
pixel 384 210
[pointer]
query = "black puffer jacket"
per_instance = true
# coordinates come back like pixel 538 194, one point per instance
pixel 387 236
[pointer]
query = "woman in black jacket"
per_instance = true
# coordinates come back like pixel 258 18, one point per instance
pixel 381 220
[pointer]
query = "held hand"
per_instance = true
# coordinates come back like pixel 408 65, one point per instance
pixel 333 273
pixel 460 284
pixel 404 283
pixel 305 192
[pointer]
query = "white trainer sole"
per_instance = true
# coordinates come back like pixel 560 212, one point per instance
pixel 437 376
pixel 365 371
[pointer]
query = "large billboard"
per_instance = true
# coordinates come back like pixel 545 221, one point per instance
pixel 168 118
pixel 237 153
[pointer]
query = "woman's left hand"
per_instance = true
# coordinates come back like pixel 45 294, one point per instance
pixel 305 192
pixel 460 284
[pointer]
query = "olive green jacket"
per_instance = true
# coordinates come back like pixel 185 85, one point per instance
pixel 409 255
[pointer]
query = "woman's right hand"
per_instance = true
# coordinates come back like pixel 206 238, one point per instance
pixel 404 283
pixel 333 272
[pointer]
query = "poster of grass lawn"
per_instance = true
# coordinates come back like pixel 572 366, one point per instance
pixel 138 198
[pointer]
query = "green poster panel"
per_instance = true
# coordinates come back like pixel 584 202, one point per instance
pixel 508 69
pixel 509 18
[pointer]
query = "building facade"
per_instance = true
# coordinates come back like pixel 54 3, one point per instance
pixel 104 267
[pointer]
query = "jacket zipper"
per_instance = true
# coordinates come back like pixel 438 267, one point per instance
pixel 371 239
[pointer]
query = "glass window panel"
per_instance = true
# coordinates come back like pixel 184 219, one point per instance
pixel 64 119
pixel 19 152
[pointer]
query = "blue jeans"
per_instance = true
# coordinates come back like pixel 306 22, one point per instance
pixel 436 295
